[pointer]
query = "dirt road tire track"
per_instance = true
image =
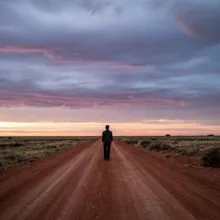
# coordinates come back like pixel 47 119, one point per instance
pixel 134 185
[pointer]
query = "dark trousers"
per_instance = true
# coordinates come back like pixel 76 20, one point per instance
pixel 107 151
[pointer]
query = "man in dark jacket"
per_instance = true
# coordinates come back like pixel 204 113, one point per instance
pixel 107 139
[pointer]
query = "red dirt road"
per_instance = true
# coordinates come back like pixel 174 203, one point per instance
pixel 134 185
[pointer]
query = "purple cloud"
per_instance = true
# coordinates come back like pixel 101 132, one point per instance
pixel 156 58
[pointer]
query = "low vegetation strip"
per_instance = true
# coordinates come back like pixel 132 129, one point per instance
pixel 24 150
pixel 208 148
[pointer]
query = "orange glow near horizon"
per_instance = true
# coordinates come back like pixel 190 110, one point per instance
pixel 95 129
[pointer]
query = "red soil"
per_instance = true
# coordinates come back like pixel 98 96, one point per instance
pixel 134 184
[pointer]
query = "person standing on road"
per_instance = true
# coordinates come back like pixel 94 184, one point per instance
pixel 107 139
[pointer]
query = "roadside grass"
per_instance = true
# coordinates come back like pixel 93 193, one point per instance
pixel 206 147
pixel 20 150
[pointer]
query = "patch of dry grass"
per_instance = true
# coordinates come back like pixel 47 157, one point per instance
pixel 208 147
pixel 17 150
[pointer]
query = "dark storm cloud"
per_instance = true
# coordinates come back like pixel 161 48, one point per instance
pixel 93 53
pixel 82 36
pixel 90 37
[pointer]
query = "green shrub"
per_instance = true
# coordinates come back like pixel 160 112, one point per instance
pixel 145 143
pixel 132 142
pixel 16 145
pixel 180 150
pixel 173 148
pixel 11 157
pixel 21 160
pixel 52 146
pixel 159 146
pixel 191 151
pixel 155 145
pixel 33 159
pixel 212 158
pixel 164 146
pixel 3 146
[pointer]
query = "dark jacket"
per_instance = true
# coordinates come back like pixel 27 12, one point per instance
pixel 107 137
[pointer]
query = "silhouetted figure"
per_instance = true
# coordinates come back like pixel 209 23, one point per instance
pixel 107 139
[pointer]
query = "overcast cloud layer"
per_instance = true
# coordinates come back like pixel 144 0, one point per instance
pixel 132 60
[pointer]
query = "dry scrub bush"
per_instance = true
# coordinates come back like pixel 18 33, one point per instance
pixel 144 143
pixel 158 146
pixel 212 158
pixel 132 142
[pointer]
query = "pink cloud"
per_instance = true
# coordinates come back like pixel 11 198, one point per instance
pixel 25 50
pixel 66 100
pixel 55 58
pixel 186 28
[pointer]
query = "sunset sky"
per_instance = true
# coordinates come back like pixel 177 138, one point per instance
pixel 146 67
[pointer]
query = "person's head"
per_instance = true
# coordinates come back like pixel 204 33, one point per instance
pixel 107 127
